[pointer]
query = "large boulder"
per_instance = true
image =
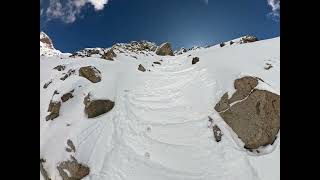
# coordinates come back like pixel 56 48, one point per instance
pixel 255 118
pixel 91 73
pixel 164 50
pixel 94 108
pixel 243 86
pixel 72 170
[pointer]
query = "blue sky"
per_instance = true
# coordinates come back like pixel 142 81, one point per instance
pixel 76 24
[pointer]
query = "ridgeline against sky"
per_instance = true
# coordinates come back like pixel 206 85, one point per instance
pixel 78 24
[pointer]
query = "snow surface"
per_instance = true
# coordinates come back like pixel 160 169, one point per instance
pixel 158 128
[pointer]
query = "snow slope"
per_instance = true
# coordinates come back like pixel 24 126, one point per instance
pixel 158 128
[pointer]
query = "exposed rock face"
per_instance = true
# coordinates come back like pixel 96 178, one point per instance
pixel 248 39
pixel 217 133
pixel 76 171
pixel 141 68
pixel 243 86
pixel 91 73
pixel 46 40
pixel 231 42
pixel 109 55
pixel 195 60
pixel 256 117
pixel 94 108
pixel 43 171
pixel 164 50
pixel 54 109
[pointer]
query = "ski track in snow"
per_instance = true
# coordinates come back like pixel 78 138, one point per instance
pixel 177 126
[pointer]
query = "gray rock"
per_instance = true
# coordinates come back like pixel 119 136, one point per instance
pixel 248 39
pixel 60 67
pixel 164 50
pixel 195 60
pixel 46 85
pixel 91 73
pixel 217 133
pixel 71 145
pixel 141 68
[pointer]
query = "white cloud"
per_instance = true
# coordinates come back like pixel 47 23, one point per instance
pixel 275 5
pixel 69 10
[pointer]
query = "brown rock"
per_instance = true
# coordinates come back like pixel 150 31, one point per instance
pixel 141 68
pixel 217 133
pixel 256 120
pixel 195 60
pixel 164 50
pixel 223 104
pixel 243 86
pixel 76 170
pixel 54 109
pixel 67 96
pixel 94 108
pixel 91 73
pixel 109 55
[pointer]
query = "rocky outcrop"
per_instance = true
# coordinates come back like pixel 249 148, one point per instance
pixel 91 73
pixel 248 39
pixel 72 170
pixel 164 50
pixel 141 68
pixel 254 115
pixel 109 55
pixel 222 44
pixel 94 108
pixel 195 60
pixel 54 109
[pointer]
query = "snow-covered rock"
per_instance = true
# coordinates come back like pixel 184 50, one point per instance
pixel 47 48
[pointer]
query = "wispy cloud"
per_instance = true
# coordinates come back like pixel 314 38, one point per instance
pixel 275 5
pixel 69 10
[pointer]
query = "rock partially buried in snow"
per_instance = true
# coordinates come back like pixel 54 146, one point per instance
pixel 217 133
pixel 67 96
pixel 109 55
pixel 256 118
pixel 60 67
pixel 66 75
pixel 71 147
pixel 94 108
pixel 141 68
pixel 46 85
pixel 72 170
pixel 195 60
pixel 54 109
pixel 164 50
pixel 43 171
pixel 91 73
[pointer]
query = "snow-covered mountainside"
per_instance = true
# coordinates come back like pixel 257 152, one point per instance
pixel 127 113
pixel 47 48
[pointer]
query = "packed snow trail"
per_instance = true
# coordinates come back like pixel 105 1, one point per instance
pixel 159 130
